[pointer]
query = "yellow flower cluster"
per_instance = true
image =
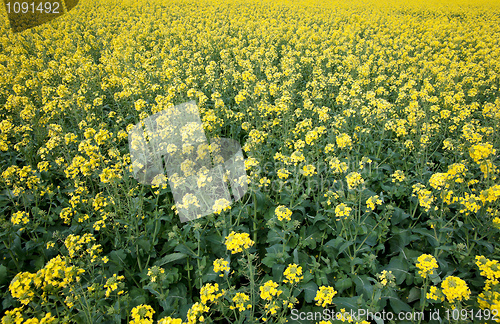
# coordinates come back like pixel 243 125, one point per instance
pixel 55 275
pixel 236 242
pixel 354 180
pixel 427 264
pixel 425 197
pixel 156 274
pixel 337 166
pixel 195 313
pixel 372 201
pixel 455 289
pixel 170 320
pixel 470 203
pixel 15 316
pixel 435 294
pixel 293 274
pixel 221 205
pixel 283 213
pixel 324 296
pixel 142 314
pixel 21 179
pixel 490 297
pixel 283 173
pixel 342 211
pixel 112 284
pixel 210 292
pixel 344 141
pixel 220 265
pixel 241 302
pixel 20 218
pixel 309 170
pixel 398 175
pixel 481 151
pixel 386 279
pixel 269 290
pixel 75 245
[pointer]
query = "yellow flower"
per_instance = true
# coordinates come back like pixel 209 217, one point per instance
pixel 354 179
pixel 372 201
pixel 439 181
pixel 308 170
pixel 329 148
pixel 221 205
pixel 283 213
pixel 426 263
pixel 283 173
pixel 455 289
pixel 481 151
pixel 425 197
pixel 297 157
pixel 324 296
pixel 170 320
pixel 398 175
pixel 209 292
pixel 343 140
pixel 470 203
pixel 268 290
pixel 293 274
pixel 220 265
pixel 240 299
pixel 386 278
pixel 194 314
pixel 156 274
pixel 435 294
pixel 342 211
pixel 112 284
pixel 21 288
pixel 14 316
pixel 142 314
pixel 20 218
pixel 236 242
pixel 337 166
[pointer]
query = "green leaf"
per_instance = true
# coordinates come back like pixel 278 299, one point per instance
pixel 310 290
pixel 343 284
pixel 398 216
pixel 399 306
pixel 344 246
pixel 399 268
pixel 346 302
pixel 428 234
pixel 335 243
pixel 118 256
pixel 144 244
pixel 400 239
pixel 414 294
pixel 185 250
pixel 3 274
pixel 170 258
pixel 39 262
pixel 363 286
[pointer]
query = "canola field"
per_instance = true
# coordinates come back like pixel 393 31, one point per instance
pixel 370 132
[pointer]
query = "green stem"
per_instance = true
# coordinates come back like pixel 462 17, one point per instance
pixel 252 285
pixel 423 296
pixel 189 273
pixel 255 218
